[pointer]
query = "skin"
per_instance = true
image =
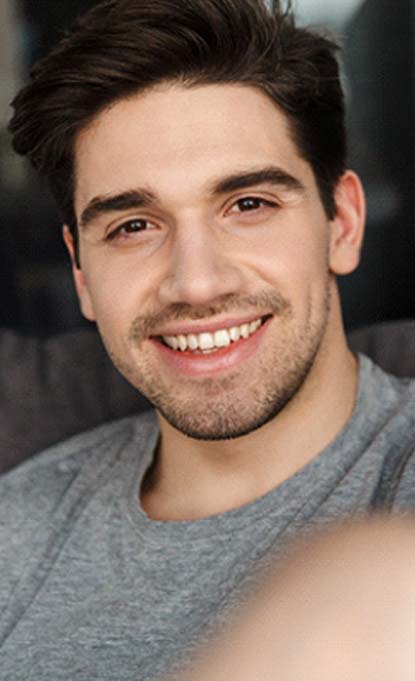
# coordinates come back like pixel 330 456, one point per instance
pixel 203 259
pixel 340 607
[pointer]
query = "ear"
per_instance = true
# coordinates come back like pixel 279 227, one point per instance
pixel 347 228
pixel 78 277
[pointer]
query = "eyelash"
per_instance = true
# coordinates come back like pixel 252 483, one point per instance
pixel 264 202
pixel 117 232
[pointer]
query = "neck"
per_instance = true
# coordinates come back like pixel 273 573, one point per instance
pixel 193 479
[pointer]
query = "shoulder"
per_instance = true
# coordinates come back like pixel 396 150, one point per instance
pixel 397 437
pixel 32 494
pixel 387 421
pixel 49 470
pixel 395 394
pixel 404 500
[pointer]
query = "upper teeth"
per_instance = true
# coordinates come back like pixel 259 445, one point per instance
pixel 208 341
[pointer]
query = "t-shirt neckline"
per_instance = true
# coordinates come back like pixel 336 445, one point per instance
pixel 331 462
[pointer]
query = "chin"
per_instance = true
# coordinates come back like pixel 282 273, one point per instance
pixel 226 419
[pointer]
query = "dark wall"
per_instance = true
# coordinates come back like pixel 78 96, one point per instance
pixel 47 19
pixel 380 65
pixel 37 294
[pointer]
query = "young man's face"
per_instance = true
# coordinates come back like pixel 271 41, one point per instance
pixel 201 228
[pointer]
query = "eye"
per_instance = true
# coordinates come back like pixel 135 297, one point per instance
pixel 251 204
pixel 130 227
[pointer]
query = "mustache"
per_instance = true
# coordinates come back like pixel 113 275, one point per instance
pixel 266 302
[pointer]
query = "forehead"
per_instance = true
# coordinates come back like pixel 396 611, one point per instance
pixel 175 140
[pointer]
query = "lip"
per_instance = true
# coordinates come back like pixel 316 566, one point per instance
pixel 191 365
pixel 208 326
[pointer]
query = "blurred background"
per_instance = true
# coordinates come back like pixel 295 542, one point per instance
pixel 36 291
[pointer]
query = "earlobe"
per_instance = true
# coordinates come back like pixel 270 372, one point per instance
pixel 78 277
pixel 348 225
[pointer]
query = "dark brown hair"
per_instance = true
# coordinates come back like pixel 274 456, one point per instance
pixel 124 46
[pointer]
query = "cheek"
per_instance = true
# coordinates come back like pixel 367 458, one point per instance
pixel 292 260
pixel 119 291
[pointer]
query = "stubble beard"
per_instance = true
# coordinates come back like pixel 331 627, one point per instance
pixel 230 407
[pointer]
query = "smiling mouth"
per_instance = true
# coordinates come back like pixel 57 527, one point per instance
pixel 207 343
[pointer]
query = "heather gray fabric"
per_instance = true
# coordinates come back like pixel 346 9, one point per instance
pixel 91 588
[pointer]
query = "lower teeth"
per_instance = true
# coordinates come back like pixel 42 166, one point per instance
pixel 201 352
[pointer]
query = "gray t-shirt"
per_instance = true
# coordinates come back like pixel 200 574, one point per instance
pixel 91 588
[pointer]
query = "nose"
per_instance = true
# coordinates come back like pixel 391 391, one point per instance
pixel 201 269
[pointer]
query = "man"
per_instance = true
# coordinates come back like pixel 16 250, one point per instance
pixel 197 152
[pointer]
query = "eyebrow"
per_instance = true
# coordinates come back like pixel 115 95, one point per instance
pixel 269 175
pixel 109 204
pixel 141 198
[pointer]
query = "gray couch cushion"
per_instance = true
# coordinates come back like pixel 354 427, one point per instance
pixel 53 388
pixel 390 344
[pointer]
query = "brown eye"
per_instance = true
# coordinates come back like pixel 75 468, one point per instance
pixel 250 203
pixel 133 226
